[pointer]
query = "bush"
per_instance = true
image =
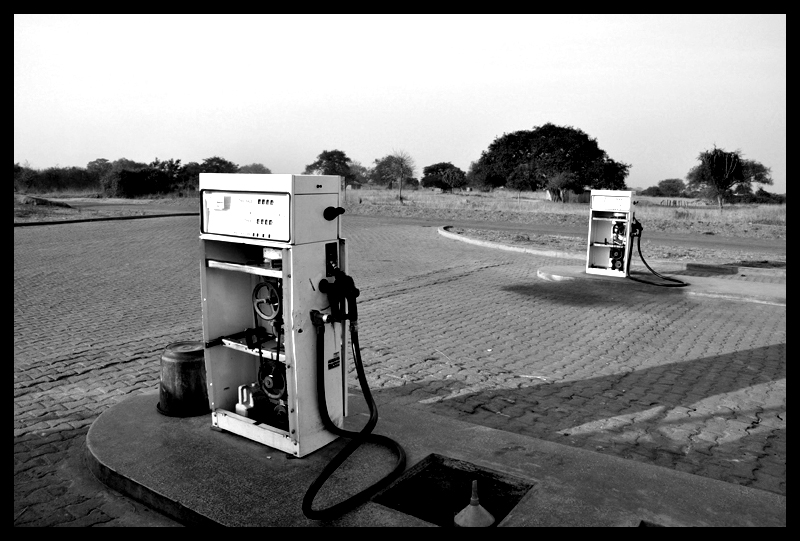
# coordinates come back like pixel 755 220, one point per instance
pixel 24 178
pixel 762 197
pixel 652 191
pixel 109 184
pixel 52 179
pixel 136 183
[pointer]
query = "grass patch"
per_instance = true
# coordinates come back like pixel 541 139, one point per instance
pixel 647 209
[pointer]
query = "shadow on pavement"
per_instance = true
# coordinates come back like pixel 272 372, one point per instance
pixel 710 416
pixel 600 293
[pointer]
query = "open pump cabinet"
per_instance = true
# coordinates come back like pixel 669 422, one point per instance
pixel 608 249
pixel 266 243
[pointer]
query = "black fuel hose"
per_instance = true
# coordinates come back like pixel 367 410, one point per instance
pixel 365 435
pixel 637 232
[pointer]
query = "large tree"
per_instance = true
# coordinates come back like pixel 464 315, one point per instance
pixel 433 175
pixel 557 184
pixel 562 158
pixel 756 173
pixel 719 171
pixel 404 168
pixel 189 176
pixel 331 162
pixel 215 164
pixel 396 167
pixel 99 167
pixel 254 168
pixel 480 177
pixel 112 183
pixel 612 176
pixel 523 177
pixel 381 172
pixel 360 174
pixel 454 178
pixel 671 187
pixel 170 170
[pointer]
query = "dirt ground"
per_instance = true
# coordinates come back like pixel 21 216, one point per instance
pixel 31 209
pixel 650 251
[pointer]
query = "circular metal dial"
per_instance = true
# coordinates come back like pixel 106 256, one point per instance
pixel 267 301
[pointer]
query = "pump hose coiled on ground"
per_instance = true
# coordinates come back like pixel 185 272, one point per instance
pixel 637 232
pixel 365 435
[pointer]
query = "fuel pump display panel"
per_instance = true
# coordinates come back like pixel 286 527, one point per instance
pixel 611 201
pixel 246 214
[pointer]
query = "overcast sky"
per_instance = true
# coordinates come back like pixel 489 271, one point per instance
pixel 653 90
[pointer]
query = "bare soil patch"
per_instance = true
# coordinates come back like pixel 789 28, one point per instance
pixel 29 209
pixel 33 209
pixel 650 251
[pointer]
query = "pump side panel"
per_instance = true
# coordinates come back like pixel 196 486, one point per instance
pixel 309 224
pixel 308 269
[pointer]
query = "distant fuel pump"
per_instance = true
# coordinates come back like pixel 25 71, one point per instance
pixel 608 249
pixel 612 228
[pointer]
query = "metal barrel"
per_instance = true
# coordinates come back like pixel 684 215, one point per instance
pixel 182 389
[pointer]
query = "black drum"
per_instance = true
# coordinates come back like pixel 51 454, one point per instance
pixel 182 390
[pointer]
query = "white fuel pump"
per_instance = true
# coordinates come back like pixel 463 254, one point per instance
pixel 608 249
pixel 277 304
pixel 612 228
pixel 267 241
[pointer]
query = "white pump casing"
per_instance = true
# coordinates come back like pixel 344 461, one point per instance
pixel 295 250
pixel 608 211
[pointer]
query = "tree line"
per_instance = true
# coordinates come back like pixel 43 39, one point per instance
pixel 721 175
pixel 742 193
pixel 126 178
pixel 549 157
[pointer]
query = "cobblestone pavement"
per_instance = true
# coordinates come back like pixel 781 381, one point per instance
pixel 645 373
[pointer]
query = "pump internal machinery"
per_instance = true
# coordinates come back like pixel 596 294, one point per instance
pixel 270 244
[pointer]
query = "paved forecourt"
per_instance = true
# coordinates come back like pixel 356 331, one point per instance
pixel 651 374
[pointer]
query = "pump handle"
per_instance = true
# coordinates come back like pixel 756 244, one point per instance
pixel 331 213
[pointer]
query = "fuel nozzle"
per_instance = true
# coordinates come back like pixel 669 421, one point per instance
pixel 342 288
pixel 636 228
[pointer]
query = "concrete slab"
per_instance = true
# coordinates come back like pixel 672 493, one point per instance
pixel 766 293
pixel 199 476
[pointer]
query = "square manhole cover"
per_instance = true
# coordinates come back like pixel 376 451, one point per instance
pixel 438 488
